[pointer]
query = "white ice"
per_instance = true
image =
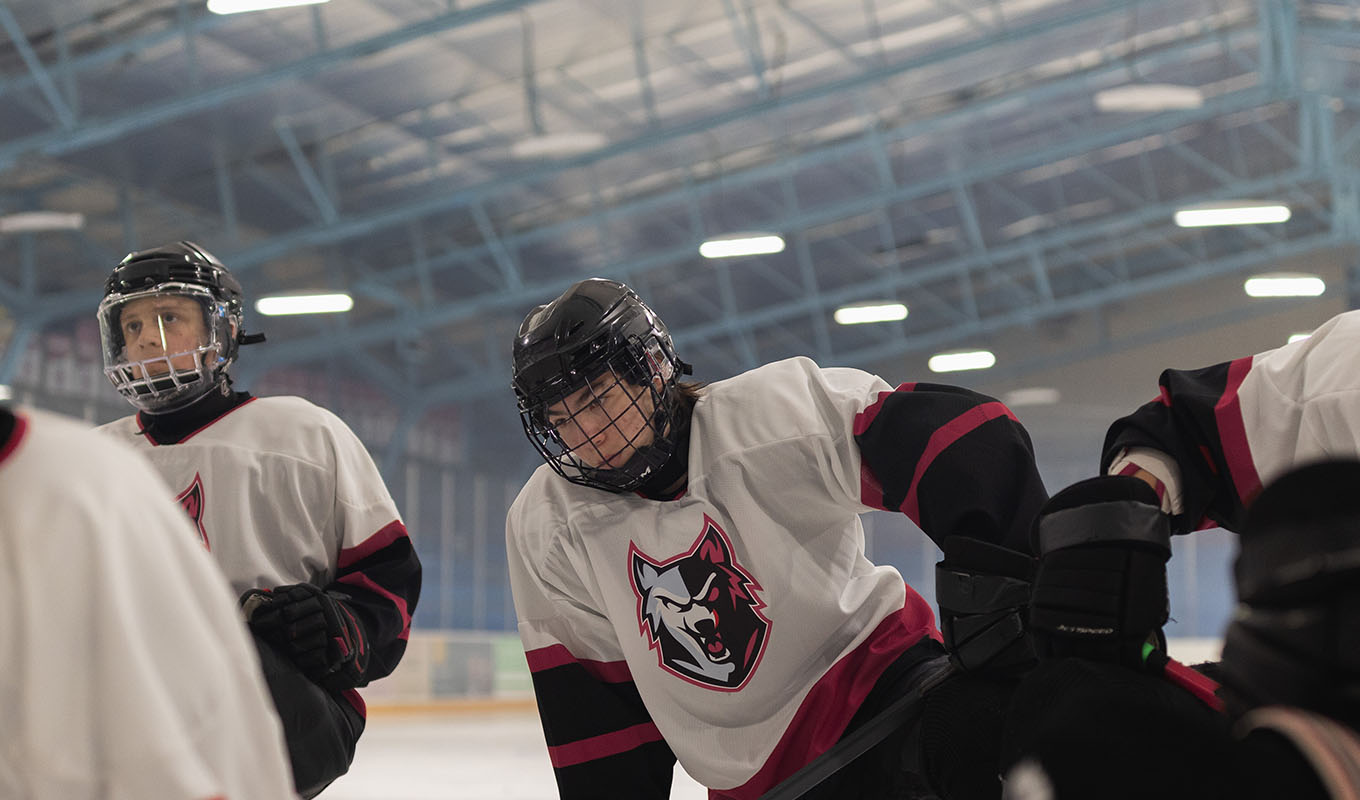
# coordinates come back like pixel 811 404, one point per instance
pixel 459 756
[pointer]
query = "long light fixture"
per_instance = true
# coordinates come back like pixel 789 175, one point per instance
pixel 1148 97
pixel 238 6
pixel 742 244
pixel 958 362
pixel 1284 284
pixel 1032 396
pixel 39 221
pixel 1240 214
pixel 858 315
pixel 282 305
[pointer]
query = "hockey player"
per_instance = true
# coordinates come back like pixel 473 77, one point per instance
pixel 109 690
pixel 689 572
pixel 282 493
pixel 1217 434
pixel 1096 726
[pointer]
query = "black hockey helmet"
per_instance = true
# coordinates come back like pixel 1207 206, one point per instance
pixel 1295 638
pixel 597 336
pixel 181 269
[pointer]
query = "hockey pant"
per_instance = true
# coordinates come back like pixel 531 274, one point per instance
pixel 320 728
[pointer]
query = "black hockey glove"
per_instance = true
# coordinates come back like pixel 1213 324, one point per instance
pixel 982 590
pixel 313 627
pixel 1100 591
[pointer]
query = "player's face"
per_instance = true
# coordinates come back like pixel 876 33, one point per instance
pixel 156 326
pixel 605 422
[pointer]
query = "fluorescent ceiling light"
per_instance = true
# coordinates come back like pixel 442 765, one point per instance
pixel 237 6
pixel 1239 214
pixel 1284 284
pixel 6 393
pixel 38 221
pixel 742 244
pixel 557 145
pixel 1149 97
pixel 957 362
pixel 1298 337
pixel 1032 396
pixel 856 315
pixel 304 304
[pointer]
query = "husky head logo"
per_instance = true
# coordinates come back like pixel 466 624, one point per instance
pixel 700 611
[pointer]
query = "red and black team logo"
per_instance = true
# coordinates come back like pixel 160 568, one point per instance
pixel 192 500
pixel 700 612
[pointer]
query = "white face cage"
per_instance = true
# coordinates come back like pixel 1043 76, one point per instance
pixel 153 379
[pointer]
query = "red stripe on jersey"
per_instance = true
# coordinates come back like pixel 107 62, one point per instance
pixel 558 655
pixel 355 699
pixel 870 490
pixel 940 440
pixel 822 717
pixel 1130 468
pixel 362 581
pixel 12 444
pixel 388 534
pixel 603 746
pixel 1232 433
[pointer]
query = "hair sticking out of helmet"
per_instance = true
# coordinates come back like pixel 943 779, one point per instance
pixel 596 375
pixel 170 324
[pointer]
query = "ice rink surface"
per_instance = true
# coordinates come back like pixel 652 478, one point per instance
pixel 456 755
pixel 499 755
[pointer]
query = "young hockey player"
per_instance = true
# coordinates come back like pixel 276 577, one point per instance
pixel 1216 434
pixel 689 572
pixel 1096 725
pixel 125 670
pixel 282 493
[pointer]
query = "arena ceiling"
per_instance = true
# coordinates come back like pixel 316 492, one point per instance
pixel 453 163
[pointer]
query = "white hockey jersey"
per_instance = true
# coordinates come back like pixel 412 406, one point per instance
pixel 1218 434
pixel 282 492
pixel 126 672
pixel 744 614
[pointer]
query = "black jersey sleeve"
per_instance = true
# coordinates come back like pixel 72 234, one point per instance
pixel 955 461
pixel 381 581
pixel 1197 422
pixel 601 740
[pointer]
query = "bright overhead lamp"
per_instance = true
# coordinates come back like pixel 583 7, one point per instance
pixel 1235 214
pixel 958 362
pixel 742 244
pixel 1032 396
pixel 238 6
pixel 1148 97
pixel 6 393
pixel 283 305
pixel 557 145
pixel 39 221
pixel 1298 337
pixel 858 315
pixel 1284 284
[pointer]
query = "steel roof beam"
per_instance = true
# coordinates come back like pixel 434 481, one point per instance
pixel 365 224
pixel 93 132
pixel 35 68
pixel 362 225
pixel 860 205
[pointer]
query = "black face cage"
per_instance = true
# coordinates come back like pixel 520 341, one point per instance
pixel 641 365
